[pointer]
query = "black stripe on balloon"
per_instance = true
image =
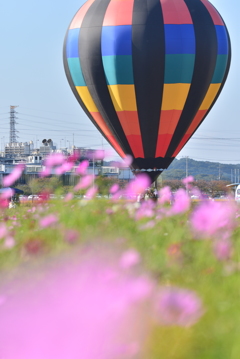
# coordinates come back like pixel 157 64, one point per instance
pixel 73 88
pixel 222 84
pixel 93 71
pixel 205 62
pixel 148 56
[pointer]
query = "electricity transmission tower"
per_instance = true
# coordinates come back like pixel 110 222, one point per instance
pixel 13 132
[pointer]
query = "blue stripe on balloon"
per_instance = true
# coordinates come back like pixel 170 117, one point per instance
pixel 116 40
pixel 76 71
pixel 222 37
pixel 180 39
pixel 72 43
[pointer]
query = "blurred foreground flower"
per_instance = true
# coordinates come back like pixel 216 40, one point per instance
pixel 214 219
pixel 87 310
pixel 176 306
pixel 138 185
pixel 14 175
pixel 181 203
pixel 48 221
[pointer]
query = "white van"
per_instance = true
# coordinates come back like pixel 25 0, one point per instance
pixel 237 193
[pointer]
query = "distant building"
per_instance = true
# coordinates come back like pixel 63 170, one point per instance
pixel 18 149
pixel 47 148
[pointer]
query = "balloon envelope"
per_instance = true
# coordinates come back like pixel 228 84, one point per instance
pixel 147 72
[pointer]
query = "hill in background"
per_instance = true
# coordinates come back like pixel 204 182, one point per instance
pixel 202 170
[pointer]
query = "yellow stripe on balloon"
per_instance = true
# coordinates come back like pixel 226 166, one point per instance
pixel 86 98
pixel 123 97
pixel 174 96
pixel 210 96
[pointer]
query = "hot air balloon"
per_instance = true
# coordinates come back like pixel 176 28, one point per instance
pixel 147 72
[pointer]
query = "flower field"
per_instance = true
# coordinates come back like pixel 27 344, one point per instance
pixel 112 278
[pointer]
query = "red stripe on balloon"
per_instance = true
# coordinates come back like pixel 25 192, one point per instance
pixel 130 125
pixel 168 123
pixel 119 12
pixel 213 12
pixel 191 129
pixel 101 123
pixel 175 12
pixel 78 18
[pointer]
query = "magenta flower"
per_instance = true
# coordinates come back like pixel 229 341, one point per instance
pixel 212 218
pixel 45 173
pixel 180 307
pixel 188 180
pixel 223 249
pixel 165 195
pixel 84 182
pixel 91 192
pixel 66 167
pixel 181 203
pixel 55 159
pixel 9 242
pixel 146 210
pixel 88 310
pixel 69 196
pixel 114 188
pixel 138 185
pixel 3 230
pixel 82 168
pixel 99 155
pixel 129 259
pixel 71 235
pixel 14 175
pixel 8 193
pixel 48 221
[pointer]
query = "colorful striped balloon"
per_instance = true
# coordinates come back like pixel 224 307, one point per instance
pixel 147 72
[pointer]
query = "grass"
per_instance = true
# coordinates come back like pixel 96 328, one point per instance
pixel 169 253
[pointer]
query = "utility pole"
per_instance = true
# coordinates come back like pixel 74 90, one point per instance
pixel 187 166
pixel 219 174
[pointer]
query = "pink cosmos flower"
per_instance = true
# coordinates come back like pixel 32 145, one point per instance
pixel 213 218
pixel 176 306
pixel 9 242
pixel 147 225
pixel 71 235
pixel 91 192
pixel 66 167
pixel 8 193
pixel 74 157
pixel 223 249
pixel 145 210
pixel 114 188
pixel 165 195
pixel 129 259
pixel 45 173
pixel 69 196
pixel 181 203
pixel 128 160
pixel 4 202
pixel 188 180
pixel 14 175
pixel 138 185
pixel 99 154
pixel 82 168
pixel 84 182
pixel 48 221
pixel 3 230
pixel 84 310
pixel 55 159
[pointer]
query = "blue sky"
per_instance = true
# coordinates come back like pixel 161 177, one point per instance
pixel 32 77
